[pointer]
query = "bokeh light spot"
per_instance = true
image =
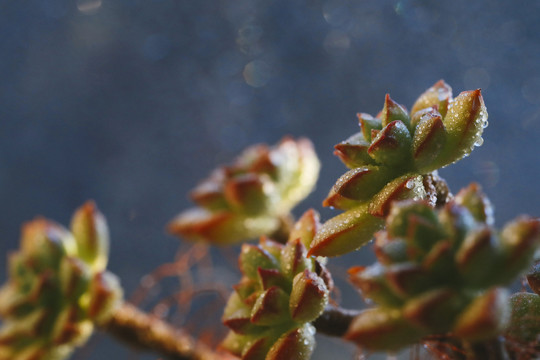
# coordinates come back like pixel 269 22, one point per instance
pixel 257 73
pixel 88 7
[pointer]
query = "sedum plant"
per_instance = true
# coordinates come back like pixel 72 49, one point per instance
pixel 58 287
pixel 389 157
pixel 440 278
pixel 441 271
pixel 251 197
pixel 282 290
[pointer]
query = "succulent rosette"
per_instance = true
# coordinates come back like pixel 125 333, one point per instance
pixel 389 157
pixel 281 292
pixel 251 197
pixel 441 271
pixel 58 287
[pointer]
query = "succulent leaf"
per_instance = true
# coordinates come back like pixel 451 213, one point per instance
pixel 345 232
pixel 379 330
pixel 298 344
pixel 438 96
pixel 524 320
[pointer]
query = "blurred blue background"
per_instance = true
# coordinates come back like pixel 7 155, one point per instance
pixel 132 102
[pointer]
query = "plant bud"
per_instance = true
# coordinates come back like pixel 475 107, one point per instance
pixel 485 317
pixel 57 288
pixel 297 344
pixel 428 141
pixel 464 123
pixel 89 228
pixel 407 279
pixel 393 111
pixel 372 283
pixel 248 198
pixel 257 348
pixel 476 202
pixel 293 258
pixel 46 243
pixel 272 277
pixel 392 145
pixel 271 307
pixel 306 228
pixel 271 310
pixel 435 310
pixel 477 257
pixel 308 298
pixel 519 240
pixel 252 257
pixel 438 96
pixel 367 124
pixel 353 151
pixel 404 212
pixel 246 193
pixel 380 329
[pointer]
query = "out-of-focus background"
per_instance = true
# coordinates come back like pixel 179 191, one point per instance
pixel 131 102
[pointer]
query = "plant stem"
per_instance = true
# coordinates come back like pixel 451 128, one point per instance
pixel 334 321
pixel 146 332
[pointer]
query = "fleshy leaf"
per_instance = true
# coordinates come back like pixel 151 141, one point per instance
pixel 309 296
pixel 345 232
pixel 485 317
pixel 379 330
pixel 297 344
pixel 392 145
pixel 439 95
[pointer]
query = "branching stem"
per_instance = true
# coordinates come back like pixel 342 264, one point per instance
pixel 146 332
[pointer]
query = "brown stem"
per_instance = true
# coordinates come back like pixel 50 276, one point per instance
pixel 146 332
pixel 335 321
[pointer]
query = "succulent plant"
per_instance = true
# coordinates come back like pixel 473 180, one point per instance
pixel 281 292
pixel 441 271
pixel 252 196
pixel 388 157
pixel 58 287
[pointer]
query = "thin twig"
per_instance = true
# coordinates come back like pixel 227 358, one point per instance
pixel 147 332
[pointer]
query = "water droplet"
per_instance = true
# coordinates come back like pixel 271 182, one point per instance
pixel 410 184
pixel 479 141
